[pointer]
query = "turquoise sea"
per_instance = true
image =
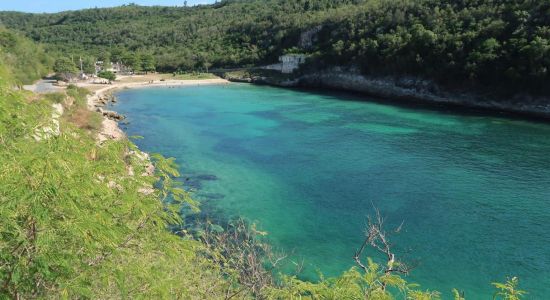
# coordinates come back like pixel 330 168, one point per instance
pixel 473 191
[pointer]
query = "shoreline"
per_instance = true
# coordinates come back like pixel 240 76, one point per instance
pixel 110 129
pixel 93 99
pixel 407 91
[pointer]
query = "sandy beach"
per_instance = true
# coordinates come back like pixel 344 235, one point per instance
pixel 110 128
pixel 99 90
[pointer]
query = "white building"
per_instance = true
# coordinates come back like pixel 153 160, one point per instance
pixel 288 63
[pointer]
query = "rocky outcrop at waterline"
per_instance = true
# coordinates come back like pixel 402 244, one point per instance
pixel 404 89
pixel 111 115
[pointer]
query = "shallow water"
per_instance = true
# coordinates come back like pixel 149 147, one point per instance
pixel 473 191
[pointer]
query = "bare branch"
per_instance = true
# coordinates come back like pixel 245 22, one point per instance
pixel 377 238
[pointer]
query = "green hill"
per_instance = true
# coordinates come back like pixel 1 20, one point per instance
pixel 503 44
pixel 75 222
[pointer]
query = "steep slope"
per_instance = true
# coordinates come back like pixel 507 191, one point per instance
pixel 73 221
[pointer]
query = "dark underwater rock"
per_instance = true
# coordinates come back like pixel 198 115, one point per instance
pixel 206 177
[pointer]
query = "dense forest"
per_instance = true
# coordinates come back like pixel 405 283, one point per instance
pixel 496 43
pixel 78 221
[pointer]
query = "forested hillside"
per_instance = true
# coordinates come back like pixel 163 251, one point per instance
pixel 504 44
pixel 231 33
pixel 80 219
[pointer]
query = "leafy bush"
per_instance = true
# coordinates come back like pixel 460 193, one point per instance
pixel 55 97
pixel 107 75
pixel 25 60
pixel 65 68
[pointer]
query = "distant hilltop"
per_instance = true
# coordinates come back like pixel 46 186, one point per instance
pixel 498 49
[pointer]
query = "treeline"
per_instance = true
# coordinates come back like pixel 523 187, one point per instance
pixel 67 67
pixel 495 43
pixel 228 34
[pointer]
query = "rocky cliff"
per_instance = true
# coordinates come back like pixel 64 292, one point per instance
pixel 405 89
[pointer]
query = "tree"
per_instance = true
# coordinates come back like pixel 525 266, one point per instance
pixel 107 75
pixel 65 68
pixel 203 61
pixel 206 65
pixel 117 55
pixel 107 64
pixel 148 63
pixel 25 60
pixel 136 63
pixel 88 65
pixel 128 59
pixel 377 237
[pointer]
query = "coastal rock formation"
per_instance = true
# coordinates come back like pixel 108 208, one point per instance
pixel 407 89
pixel 410 88
pixel 110 131
pixel 146 159
pixel 113 115
pixel 102 100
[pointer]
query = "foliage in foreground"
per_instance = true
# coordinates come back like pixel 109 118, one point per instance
pixel 73 223
pixel 25 60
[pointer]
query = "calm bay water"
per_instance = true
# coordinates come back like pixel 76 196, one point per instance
pixel 473 191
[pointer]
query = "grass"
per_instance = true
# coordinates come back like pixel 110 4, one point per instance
pixel 55 97
pixel 85 119
pixel 74 102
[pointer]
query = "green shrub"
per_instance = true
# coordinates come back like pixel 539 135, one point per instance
pixel 25 60
pixel 107 75
pixel 55 97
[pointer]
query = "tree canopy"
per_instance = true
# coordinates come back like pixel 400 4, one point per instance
pixel 25 60
pixel 107 75
pixel 492 43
